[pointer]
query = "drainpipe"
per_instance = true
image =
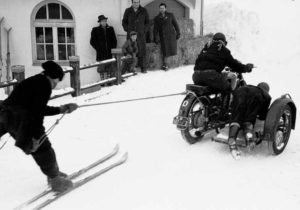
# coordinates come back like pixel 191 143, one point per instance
pixel 201 18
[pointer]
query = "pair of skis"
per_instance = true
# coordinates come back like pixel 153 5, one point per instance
pixel 35 203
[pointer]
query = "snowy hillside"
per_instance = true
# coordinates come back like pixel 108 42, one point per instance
pixel 163 172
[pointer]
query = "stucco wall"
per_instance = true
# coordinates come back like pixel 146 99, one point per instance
pixel 17 15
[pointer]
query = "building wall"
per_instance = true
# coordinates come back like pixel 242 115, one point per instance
pixel 17 15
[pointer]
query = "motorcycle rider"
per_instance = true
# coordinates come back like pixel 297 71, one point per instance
pixel 213 58
pixel 248 102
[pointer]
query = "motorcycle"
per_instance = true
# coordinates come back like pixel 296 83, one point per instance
pixel 204 110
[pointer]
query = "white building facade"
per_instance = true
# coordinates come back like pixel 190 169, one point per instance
pixel 55 30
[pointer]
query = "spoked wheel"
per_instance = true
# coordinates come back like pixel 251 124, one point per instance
pixel 282 132
pixel 197 121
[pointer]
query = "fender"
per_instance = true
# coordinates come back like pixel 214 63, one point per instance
pixel 275 113
pixel 186 103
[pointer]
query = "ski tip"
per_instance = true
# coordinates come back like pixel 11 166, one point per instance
pixel 125 156
pixel 116 148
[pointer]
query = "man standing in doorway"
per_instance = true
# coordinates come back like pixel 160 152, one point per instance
pixel 136 18
pixel 165 25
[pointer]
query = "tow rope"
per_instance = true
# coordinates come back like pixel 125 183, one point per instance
pixel 43 137
pixel 129 100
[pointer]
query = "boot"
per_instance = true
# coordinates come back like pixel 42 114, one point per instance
pixel 248 133
pixel 143 70
pixel 233 132
pixel 165 67
pixel 60 183
pixel 62 174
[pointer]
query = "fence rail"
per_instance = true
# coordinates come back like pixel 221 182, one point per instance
pixel 9 83
pixel 74 70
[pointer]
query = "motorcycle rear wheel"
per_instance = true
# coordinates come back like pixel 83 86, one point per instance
pixel 196 111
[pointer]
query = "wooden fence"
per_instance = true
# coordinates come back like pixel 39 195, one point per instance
pixel 18 74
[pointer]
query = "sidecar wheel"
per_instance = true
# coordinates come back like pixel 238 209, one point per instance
pixel 281 132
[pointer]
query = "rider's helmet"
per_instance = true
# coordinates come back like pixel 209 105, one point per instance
pixel 219 37
pixel 264 86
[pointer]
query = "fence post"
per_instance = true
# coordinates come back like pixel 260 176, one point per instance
pixel 18 73
pixel 75 75
pixel 117 53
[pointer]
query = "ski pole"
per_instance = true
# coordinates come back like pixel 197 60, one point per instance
pixel 129 100
pixel 41 140
pixel 3 144
pixel 43 137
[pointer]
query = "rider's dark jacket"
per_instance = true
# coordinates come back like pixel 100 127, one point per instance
pixel 211 61
pixel 216 56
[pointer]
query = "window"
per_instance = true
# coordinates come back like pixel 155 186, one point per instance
pixel 53 33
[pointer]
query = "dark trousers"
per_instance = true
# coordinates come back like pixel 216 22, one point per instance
pixel 245 108
pixel 46 159
pixel 129 65
pixel 44 156
pixel 214 80
pixel 106 72
pixel 141 43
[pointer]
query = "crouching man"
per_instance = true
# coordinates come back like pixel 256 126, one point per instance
pixel 22 115
pixel 249 102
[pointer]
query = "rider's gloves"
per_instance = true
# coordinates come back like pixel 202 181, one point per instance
pixel 249 67
pixel 68 108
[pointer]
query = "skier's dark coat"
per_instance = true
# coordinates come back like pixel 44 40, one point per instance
pixel 249 102
pixel 211 61
pixel 168 30
pixel 103 40
pixel 22 115
pixel 139 22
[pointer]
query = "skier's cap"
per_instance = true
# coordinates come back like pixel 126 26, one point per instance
pixel 101 17
pixel 132 33
pixel 53 70
pixel 264 86
pixel 219 36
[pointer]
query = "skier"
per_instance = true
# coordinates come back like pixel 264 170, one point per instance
pixel 211 61
pixel 22 115
pixel 248 102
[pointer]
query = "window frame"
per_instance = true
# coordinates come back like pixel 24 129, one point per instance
pixel 54 24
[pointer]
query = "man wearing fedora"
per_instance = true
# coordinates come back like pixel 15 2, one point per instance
pixel 103 39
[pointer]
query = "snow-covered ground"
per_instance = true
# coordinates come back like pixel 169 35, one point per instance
pixel 163 172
